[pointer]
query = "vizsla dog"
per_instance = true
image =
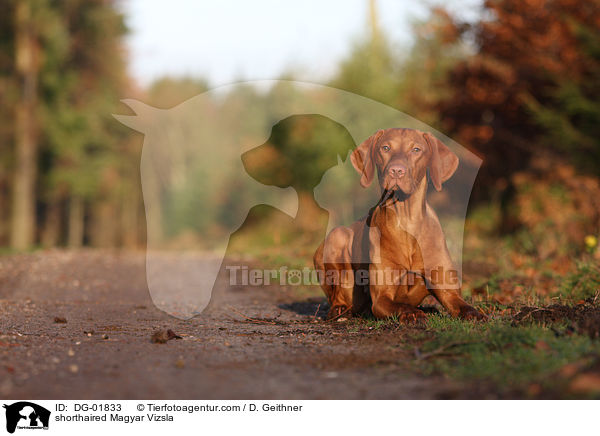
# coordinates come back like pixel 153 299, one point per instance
pixel 389 261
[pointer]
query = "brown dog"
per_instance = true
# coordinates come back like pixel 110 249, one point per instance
pixel 389 261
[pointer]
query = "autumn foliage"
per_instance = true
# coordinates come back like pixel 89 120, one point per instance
pixel 531 88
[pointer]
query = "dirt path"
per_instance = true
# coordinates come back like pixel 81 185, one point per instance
pixel 221 355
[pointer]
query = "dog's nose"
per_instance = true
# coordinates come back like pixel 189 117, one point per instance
pixel 396 171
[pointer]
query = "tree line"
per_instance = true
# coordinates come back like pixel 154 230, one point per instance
pixel 519 82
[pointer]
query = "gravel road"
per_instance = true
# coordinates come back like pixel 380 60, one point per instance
pixel 252 343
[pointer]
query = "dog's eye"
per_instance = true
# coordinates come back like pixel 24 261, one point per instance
pixel 386 148
pixel 416 150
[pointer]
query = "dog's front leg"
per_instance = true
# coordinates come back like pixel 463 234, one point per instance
pixel 393 298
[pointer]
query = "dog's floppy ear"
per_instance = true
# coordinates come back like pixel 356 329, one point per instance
pixel 362 159
pixel 443 161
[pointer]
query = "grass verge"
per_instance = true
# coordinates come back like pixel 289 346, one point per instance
pixel 510 359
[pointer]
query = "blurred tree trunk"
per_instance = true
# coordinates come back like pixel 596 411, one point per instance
pixel 76 224
pixel 103 231
pixel 51 231
pixel 130 218
pixel 4 215
pixel 154 216
pixel 23 200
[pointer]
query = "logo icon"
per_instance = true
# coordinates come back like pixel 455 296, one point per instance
pixel 26 415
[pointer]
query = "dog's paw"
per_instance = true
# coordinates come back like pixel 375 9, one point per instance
pixel 412 317
pixel 471 314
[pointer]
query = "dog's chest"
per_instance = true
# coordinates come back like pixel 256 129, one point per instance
pixel 390 242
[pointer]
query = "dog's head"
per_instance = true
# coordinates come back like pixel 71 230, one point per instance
pixel 402 157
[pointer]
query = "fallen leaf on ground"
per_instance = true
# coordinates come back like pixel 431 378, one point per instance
pixel 162 336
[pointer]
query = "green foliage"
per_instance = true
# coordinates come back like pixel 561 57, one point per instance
pixel 423 70
pixel 371 70
pixel 408 78
pixel 81 78
pixel 570 118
